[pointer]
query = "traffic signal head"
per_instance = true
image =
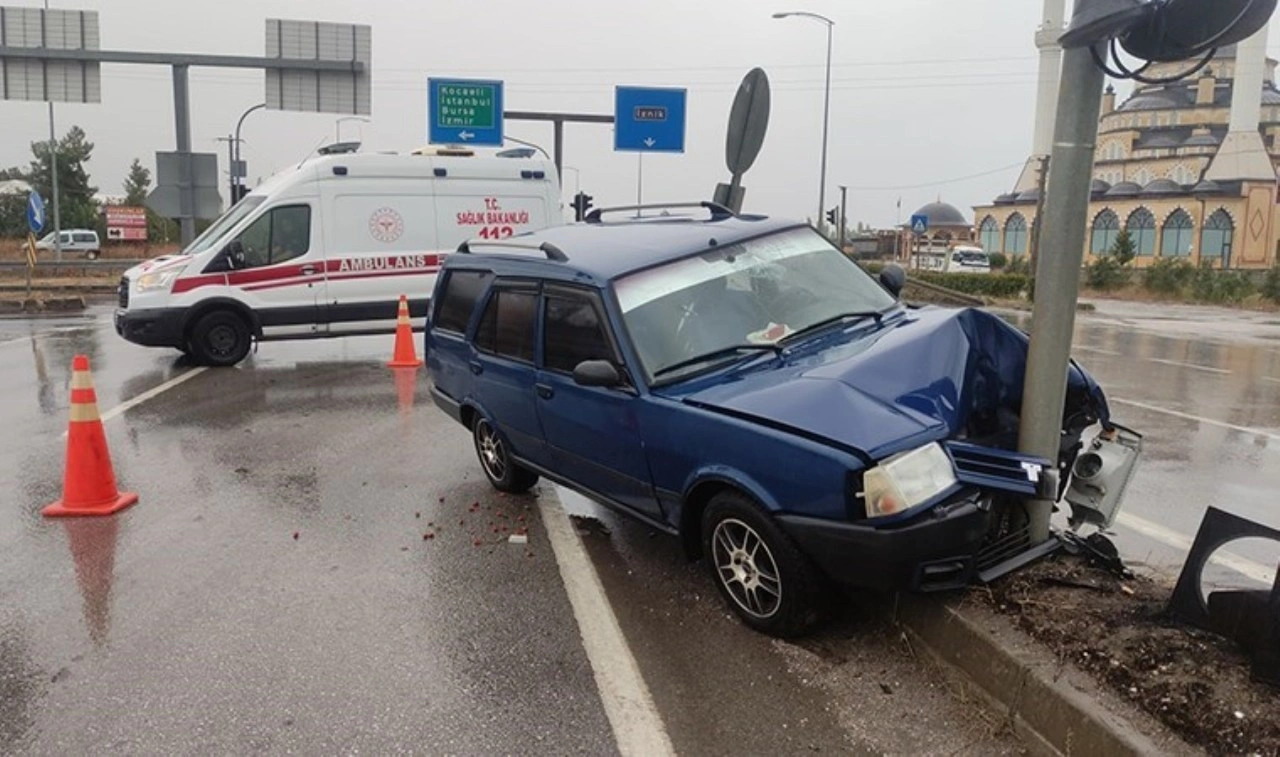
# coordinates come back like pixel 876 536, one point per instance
pixel 581 204
pixel 833 216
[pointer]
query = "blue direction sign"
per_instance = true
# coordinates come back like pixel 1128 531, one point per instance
pixel 35 212
pixel 464 112
pixel 648 119
pixel 919 223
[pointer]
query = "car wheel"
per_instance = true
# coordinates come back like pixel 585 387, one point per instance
pixel 220 338
pixel 760 572
pixel 495 459
pixel 91 254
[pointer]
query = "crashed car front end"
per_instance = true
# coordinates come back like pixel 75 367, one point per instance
pixel 941 498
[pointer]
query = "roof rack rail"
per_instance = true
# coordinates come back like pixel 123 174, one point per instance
pixel 550 250
pixel 718 211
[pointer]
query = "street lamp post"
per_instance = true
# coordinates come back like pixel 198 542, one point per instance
pixel 826 108
pixel 235 160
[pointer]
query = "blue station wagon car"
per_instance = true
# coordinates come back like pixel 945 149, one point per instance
pixel 740 383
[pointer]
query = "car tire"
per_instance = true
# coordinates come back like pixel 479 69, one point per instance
pixel 220 339
pixel 495 460
pixel 763 576
pixel 91 254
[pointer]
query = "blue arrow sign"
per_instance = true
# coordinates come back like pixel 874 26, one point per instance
pixel 919 223
pixel 35 212
pixel 648 119
pixel 464 112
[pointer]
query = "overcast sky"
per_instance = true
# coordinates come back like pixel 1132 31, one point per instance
pixel 924 92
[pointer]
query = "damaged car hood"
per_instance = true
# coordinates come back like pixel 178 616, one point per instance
pixel 921 376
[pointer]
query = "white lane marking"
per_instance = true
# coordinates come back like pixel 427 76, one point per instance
pixel 1097 350
pixel 1196 418
pixel 1244 566
pixel 1193 366
pixel 637 726
pixel 150 393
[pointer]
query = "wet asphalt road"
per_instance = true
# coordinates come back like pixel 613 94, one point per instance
pixel 196 622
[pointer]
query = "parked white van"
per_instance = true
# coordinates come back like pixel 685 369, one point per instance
pixel 326 249
pixel 73 241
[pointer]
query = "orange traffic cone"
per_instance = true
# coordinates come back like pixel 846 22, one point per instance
pixel 404 355
pixel 88 484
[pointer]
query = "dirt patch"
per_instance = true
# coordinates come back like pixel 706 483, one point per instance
pixel 1194 682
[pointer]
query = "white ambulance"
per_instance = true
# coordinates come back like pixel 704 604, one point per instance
pixel 327 248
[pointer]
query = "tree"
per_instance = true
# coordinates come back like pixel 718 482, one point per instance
pixel 79 209
pixel 1122 250
pixel 136 184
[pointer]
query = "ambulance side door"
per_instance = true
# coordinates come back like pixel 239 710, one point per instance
pixel 382 244
pixel 280 272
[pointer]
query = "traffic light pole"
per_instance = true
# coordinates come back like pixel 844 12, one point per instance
pixel 844 219
pixel 1060 255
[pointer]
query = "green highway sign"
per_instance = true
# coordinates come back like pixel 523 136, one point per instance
pixel 464 111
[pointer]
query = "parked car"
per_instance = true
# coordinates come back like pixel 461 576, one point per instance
pixel 738 382
pixel 74 241
pixel 326 248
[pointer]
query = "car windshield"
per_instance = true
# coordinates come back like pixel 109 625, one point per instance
pixel 755 292
pixel 227 221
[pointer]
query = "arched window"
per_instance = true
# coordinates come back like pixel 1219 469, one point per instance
pixel 1106 226
pixel 989 234
pixel 1015 235
pixel 1142 227
pixel 1215 237
pixel 1142 176
pixel 1175 239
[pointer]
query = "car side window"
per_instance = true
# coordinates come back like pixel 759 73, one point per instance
pixel 87 238
pixel 458 298
pixel 506 327
pixel 280 234
pixel 573 331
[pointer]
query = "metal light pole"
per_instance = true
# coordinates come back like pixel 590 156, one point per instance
pixel 826 108
pixel 53 176
pixel 235 161
pixel 1057 273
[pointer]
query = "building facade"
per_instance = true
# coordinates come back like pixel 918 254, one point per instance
pixel 1178 166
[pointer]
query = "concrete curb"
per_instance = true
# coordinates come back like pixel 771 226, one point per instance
pixel 1047 704
pixel 41 304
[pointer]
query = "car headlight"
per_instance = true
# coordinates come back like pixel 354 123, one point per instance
pixel 908 479
pixel 158 279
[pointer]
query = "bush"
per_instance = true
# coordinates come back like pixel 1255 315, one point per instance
pixel 1105 274
pixel 1271 284
pixel 1019 265
pixel 1208 285
pixel 998 260
pixel 1000 285
pixel 1168 276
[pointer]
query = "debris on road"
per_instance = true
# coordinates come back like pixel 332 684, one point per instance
pixel 518 539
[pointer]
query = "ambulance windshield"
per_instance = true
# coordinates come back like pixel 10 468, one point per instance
pixel 223 224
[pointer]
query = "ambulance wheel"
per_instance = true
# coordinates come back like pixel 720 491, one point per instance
pixel 220 339
pixel 495 459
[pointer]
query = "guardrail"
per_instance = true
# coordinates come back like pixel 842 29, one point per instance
pixel 101 264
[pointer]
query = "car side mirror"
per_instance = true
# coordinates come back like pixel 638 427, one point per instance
pixel 893 278
pixel 597 373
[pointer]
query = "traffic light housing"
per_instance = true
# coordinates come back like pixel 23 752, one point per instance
pixel 581 204
pixel 833 216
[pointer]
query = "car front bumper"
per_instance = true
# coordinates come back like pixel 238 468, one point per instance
pixel 935 552
pixel 151 327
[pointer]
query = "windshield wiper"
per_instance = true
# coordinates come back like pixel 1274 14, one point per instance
pixel 732 349
pixel 825 322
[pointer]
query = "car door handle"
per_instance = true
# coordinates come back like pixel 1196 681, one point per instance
pixel 308 270
pixel 476 367
pixel 544 391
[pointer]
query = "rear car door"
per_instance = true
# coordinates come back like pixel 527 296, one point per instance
pixel 282 277
pixel 503 366
pixel 592 433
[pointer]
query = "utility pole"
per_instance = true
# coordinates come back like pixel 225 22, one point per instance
pixel 53 170
pixel 1057 276
pixel 1042 179
pixel 844 218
